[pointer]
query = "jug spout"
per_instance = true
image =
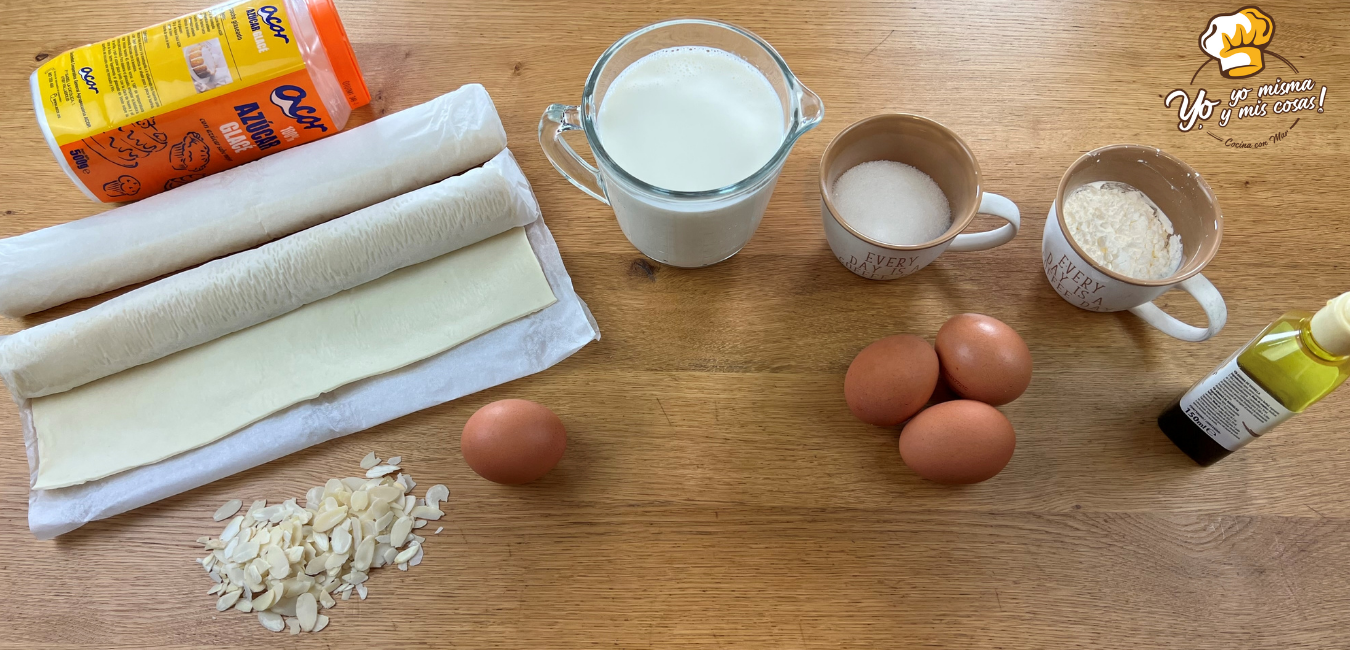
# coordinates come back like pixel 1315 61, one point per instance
pixel 812 110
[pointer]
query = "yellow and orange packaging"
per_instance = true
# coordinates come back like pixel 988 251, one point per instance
pixel 157 108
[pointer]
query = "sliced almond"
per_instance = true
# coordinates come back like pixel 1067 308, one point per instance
pixel 436 494
pixel 381 470
pixel 438 530
pixel 226 511
pixel 335 561
pixel 279 566
pixel 283 606
pixel 332 488
pixel 398 533
pixel 316 564
pixel 426 512
pixel 284 562
pixel 232 529
pixel 272 621
pixel 407 553
pixel 264 600
pixel 384 521
pixel 327 519
pixel 360 500
pixel 365 552
pixel 307 610
pixel 298 585
pixel 370 461
pixel 314 497
pixel 245 552
pixel 341 539
pixel 227 601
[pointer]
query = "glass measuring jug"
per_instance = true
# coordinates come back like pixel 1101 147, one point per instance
pixel 680 228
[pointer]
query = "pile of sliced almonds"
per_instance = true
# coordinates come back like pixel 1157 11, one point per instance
pixel 285 562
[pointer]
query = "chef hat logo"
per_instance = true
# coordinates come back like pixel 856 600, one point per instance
pixel 1238 41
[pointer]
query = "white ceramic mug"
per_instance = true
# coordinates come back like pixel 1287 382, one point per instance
pixel 1189 204
pixel 933 149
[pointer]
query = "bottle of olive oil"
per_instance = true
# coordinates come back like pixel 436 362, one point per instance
pixel 1295 361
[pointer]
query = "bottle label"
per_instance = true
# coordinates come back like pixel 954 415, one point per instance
pixel 166 105
pixel 1231 408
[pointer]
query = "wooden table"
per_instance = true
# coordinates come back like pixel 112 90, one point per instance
pixel 715 491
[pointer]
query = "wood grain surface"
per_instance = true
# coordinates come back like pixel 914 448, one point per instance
pixel 715 492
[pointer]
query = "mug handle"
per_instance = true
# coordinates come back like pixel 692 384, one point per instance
pixel 557 120
pixel 1204 293
pixel 1000 207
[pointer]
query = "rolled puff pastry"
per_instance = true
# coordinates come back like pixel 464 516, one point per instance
pixel 251 204
pixel 248 288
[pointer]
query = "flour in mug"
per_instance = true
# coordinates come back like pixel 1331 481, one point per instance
pixel 1122 230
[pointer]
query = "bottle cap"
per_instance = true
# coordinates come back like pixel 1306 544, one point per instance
pixel 1331 325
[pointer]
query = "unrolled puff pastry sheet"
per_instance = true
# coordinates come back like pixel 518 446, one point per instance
pixel 191 398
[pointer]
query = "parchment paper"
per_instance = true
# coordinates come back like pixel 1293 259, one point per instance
pixel 512 351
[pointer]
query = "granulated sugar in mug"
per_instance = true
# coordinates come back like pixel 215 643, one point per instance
pixel 935 152
pixel 893 203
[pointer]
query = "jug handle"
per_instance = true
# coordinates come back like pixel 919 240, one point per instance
pixel 557 120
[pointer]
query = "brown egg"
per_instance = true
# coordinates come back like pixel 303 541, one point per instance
pixel 943 392
pixel 513 441
pixel 958 442
pixel 890 380
pixel 983 359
